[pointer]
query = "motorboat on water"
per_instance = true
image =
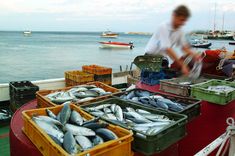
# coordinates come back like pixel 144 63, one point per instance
pixel 231 43
pixel 109 34
pixel 200 43
pixel 121 45
pixel 27 33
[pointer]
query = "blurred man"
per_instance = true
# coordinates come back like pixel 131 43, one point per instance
pixel 168 36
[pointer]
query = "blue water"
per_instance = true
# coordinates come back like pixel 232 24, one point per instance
pixel 48 54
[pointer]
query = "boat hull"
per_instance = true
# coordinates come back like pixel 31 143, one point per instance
pixel 201 45
pixel 231 43
pixel 220 38
pixel 115 46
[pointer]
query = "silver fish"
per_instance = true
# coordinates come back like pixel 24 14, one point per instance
pixel 97 140
pixel 78 130
pixel 98 90
pixel 69 143
pixel 65 114
pixel 48 120
pixel 49 129
pixel 106 134
pixel 51 114
pixel 84 142
pixel 118 113
pixel 76 118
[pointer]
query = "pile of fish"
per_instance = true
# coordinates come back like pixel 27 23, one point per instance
pixel 145 98
pixel 140 120
pixel 73 132
pixel 77 94
pixel 221 89
pixel 4 114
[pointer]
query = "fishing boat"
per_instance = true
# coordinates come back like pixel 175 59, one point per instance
pixel 231 43
pixel 120 45
pixel 27 33
pixel 196 43
pixel 109 34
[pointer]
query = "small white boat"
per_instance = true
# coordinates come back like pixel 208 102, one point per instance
pixel 116 45
pixel 200 43
pixel 109 34
pixel 27 33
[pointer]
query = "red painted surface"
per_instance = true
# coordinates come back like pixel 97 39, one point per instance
pixel 200 131
pixel 19 143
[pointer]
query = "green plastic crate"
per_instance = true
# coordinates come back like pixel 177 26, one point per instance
pixel 173 86
pixel 192 106
pixel 199 91
pixel 150 144
pixel 151 63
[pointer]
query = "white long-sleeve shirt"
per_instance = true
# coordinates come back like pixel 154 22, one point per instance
pixel 165 37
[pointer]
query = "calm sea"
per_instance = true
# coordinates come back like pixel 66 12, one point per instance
pixel 46 55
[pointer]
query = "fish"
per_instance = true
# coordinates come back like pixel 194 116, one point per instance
pixel 84 142
pixel 69 143
pixel 141 93
pixel 76 118
pixel 91 121
pixel 99 90
pixel 65 114
pixel 107 110
pixel 49 128
pixel 221 89
pixel 106 134
pixel 96 140
pixel 95 126
pixel 49 120
pixel 56 140
pixel 118 113
pixel 85 94
pixel 51 114
pixel 78 130
pixel 141 111
pixel 130 95
pixel 153 130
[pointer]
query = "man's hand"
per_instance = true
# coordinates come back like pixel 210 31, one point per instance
pixel 185 70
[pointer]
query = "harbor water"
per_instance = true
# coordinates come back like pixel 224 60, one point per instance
pixel 45 55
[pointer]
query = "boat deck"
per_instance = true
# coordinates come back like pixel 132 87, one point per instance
pixel 4 141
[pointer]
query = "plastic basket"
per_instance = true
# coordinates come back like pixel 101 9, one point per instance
pixel 200 91
pixel 106 79
pixel 120 146
pixel 151 63
pixel 77 77
pixel 96 69
pixel 192 106
pixel 152 78
pixel 22 88
pixel 173 86
pixel 150 144
pixel 42 101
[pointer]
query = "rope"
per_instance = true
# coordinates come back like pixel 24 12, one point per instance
pixel 229 132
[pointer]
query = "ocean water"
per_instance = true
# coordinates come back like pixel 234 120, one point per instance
pixel 46 55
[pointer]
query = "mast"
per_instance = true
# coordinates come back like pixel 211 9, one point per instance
pixel 223 24
pixel 214 17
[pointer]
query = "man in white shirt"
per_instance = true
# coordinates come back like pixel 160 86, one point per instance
pixel 169 35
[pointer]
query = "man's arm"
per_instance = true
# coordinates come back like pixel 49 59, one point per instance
pixel 187 50
pixel 173 56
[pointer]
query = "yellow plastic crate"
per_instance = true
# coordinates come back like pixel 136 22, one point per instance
pixel 45 102
pixel 96 69
pixel 118 147
pixel 77 77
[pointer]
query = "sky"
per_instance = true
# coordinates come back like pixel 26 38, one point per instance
pixel 115 15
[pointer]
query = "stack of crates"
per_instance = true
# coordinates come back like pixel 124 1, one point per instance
pixel 21 92
pixel 76 77
pixel 102 74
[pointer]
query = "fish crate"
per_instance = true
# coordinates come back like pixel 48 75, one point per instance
pixel 96 69
pixel 120 146
pixel 152 63
pixel 77 77
pixel 199 91
pixel 106 78
pixel 149 144
pixel 18 88
pixel 176 86
pixel 43 101
pixel 16 102
pixel 192 106
pixel 132 80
